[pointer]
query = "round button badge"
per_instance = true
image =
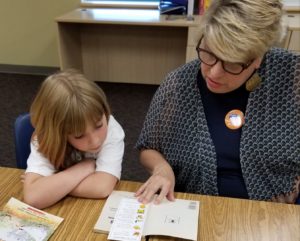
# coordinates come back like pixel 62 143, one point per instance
pixel 234 119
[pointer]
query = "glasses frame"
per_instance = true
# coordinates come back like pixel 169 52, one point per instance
pixel 198 49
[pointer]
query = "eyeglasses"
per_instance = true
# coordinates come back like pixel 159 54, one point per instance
pixel 210 59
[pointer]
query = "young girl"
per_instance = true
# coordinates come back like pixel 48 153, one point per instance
pixel 77 146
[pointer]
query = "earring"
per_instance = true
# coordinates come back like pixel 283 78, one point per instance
pixel 253 82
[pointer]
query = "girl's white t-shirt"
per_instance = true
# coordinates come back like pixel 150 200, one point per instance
pixel 108 160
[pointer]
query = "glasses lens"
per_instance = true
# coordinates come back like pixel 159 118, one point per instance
pixel 233 68
pixel 210 59
pixel 207 57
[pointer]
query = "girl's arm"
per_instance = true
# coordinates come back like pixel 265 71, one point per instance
pixel 162 179
pixel 43 191
pixel 108 165
pixel 97 185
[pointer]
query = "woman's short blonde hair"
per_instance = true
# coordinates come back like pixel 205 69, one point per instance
pixel 242 30
pixel 65 103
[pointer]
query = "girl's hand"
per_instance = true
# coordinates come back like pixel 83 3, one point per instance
pixel 88 166
pixel 22 177
pixel 162 182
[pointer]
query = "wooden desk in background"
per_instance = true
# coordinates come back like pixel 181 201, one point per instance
pixel 125 45
pixel 221 219
pixel 135 45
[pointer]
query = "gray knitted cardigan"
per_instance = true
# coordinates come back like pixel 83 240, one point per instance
pixel 176 126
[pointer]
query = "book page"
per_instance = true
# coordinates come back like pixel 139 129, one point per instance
pixel 129 221
pixel 177 219
pixel 109 210
pixel 19 221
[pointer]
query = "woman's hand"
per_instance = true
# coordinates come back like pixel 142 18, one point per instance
pixel 289 197
pixel 162 182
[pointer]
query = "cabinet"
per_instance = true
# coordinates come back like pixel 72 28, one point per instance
pixel 123 45
pixel 135 45
pixel 292 39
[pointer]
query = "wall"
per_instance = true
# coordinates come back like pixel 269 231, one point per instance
pixel 291 3
pixel 28 31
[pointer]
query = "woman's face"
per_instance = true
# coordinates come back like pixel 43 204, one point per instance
pixel 220 81
pixel 93 137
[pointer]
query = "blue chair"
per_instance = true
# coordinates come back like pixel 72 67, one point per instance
pixel 23 131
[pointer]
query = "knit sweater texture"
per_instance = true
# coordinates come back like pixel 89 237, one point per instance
pixel 176 126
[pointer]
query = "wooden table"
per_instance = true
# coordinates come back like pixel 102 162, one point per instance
pixel 221 219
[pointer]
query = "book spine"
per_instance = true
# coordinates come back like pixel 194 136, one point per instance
pixel 201 7
pixel 206 4
pixel 196 7
pixel 190 10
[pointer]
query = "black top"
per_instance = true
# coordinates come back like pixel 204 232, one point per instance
pixel 226 141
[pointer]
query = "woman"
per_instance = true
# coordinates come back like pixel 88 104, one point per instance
pixel 229 123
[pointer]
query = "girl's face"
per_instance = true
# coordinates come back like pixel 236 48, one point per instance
pixel 220 81
pixel 92 139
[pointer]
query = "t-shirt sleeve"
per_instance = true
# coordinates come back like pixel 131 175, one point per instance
pixel 111 155
pixel 37 163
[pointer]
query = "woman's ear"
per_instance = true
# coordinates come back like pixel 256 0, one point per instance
pixel 257 62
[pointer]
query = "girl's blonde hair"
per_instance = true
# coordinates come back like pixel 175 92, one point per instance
pixel 65 103
pixel 242 30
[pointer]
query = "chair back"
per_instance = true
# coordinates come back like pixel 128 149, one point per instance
pixel 23 132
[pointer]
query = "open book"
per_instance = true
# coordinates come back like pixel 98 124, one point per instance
pixel 19 221
pixel 123 215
